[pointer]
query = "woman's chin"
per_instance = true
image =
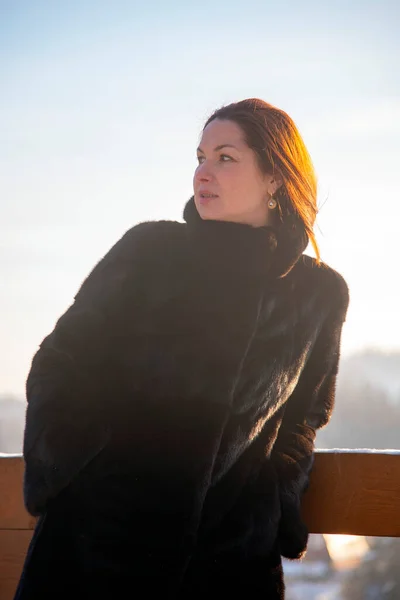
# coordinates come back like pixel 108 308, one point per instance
pixel 208 209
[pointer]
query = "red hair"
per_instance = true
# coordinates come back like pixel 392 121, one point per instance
pixel 280 150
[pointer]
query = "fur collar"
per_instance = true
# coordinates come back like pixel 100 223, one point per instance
pixel 243 248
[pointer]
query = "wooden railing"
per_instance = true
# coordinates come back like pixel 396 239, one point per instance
pixel 351 492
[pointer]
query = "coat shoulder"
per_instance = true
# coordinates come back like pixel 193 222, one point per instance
pixel 148 236
pixel 331 283
pixel 142 251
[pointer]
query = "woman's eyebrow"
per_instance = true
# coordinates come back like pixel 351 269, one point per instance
pixel 219 147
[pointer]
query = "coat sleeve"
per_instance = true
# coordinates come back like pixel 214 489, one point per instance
pixel 71 376
pixel 308 409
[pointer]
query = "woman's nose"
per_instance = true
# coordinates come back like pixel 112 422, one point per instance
pixel 203 172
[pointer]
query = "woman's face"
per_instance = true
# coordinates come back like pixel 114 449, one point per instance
pixel 228 183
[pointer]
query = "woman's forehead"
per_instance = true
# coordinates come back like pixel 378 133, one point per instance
pixel 225 132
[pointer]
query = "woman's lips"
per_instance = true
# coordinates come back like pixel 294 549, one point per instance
pixel 207 198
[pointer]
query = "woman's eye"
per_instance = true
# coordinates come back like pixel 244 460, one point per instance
pixel 223 158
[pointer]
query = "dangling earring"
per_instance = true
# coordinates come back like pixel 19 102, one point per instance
pixel 272 203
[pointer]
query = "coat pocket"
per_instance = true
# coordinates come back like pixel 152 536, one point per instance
pixel 252 522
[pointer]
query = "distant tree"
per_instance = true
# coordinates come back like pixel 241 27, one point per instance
pixel 378 577
pixel 12 421
pixel 364 417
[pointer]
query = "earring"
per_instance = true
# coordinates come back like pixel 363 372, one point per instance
pixel 272 203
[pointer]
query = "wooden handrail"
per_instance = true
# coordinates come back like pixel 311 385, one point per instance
pixel 351 492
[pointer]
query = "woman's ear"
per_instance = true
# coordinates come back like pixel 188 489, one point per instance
pixel 274 182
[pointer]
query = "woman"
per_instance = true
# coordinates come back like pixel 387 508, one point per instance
pixel 172 412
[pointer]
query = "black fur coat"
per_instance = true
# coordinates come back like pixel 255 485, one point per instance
pixel 172 414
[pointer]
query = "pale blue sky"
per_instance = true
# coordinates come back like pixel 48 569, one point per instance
pixel 101 106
